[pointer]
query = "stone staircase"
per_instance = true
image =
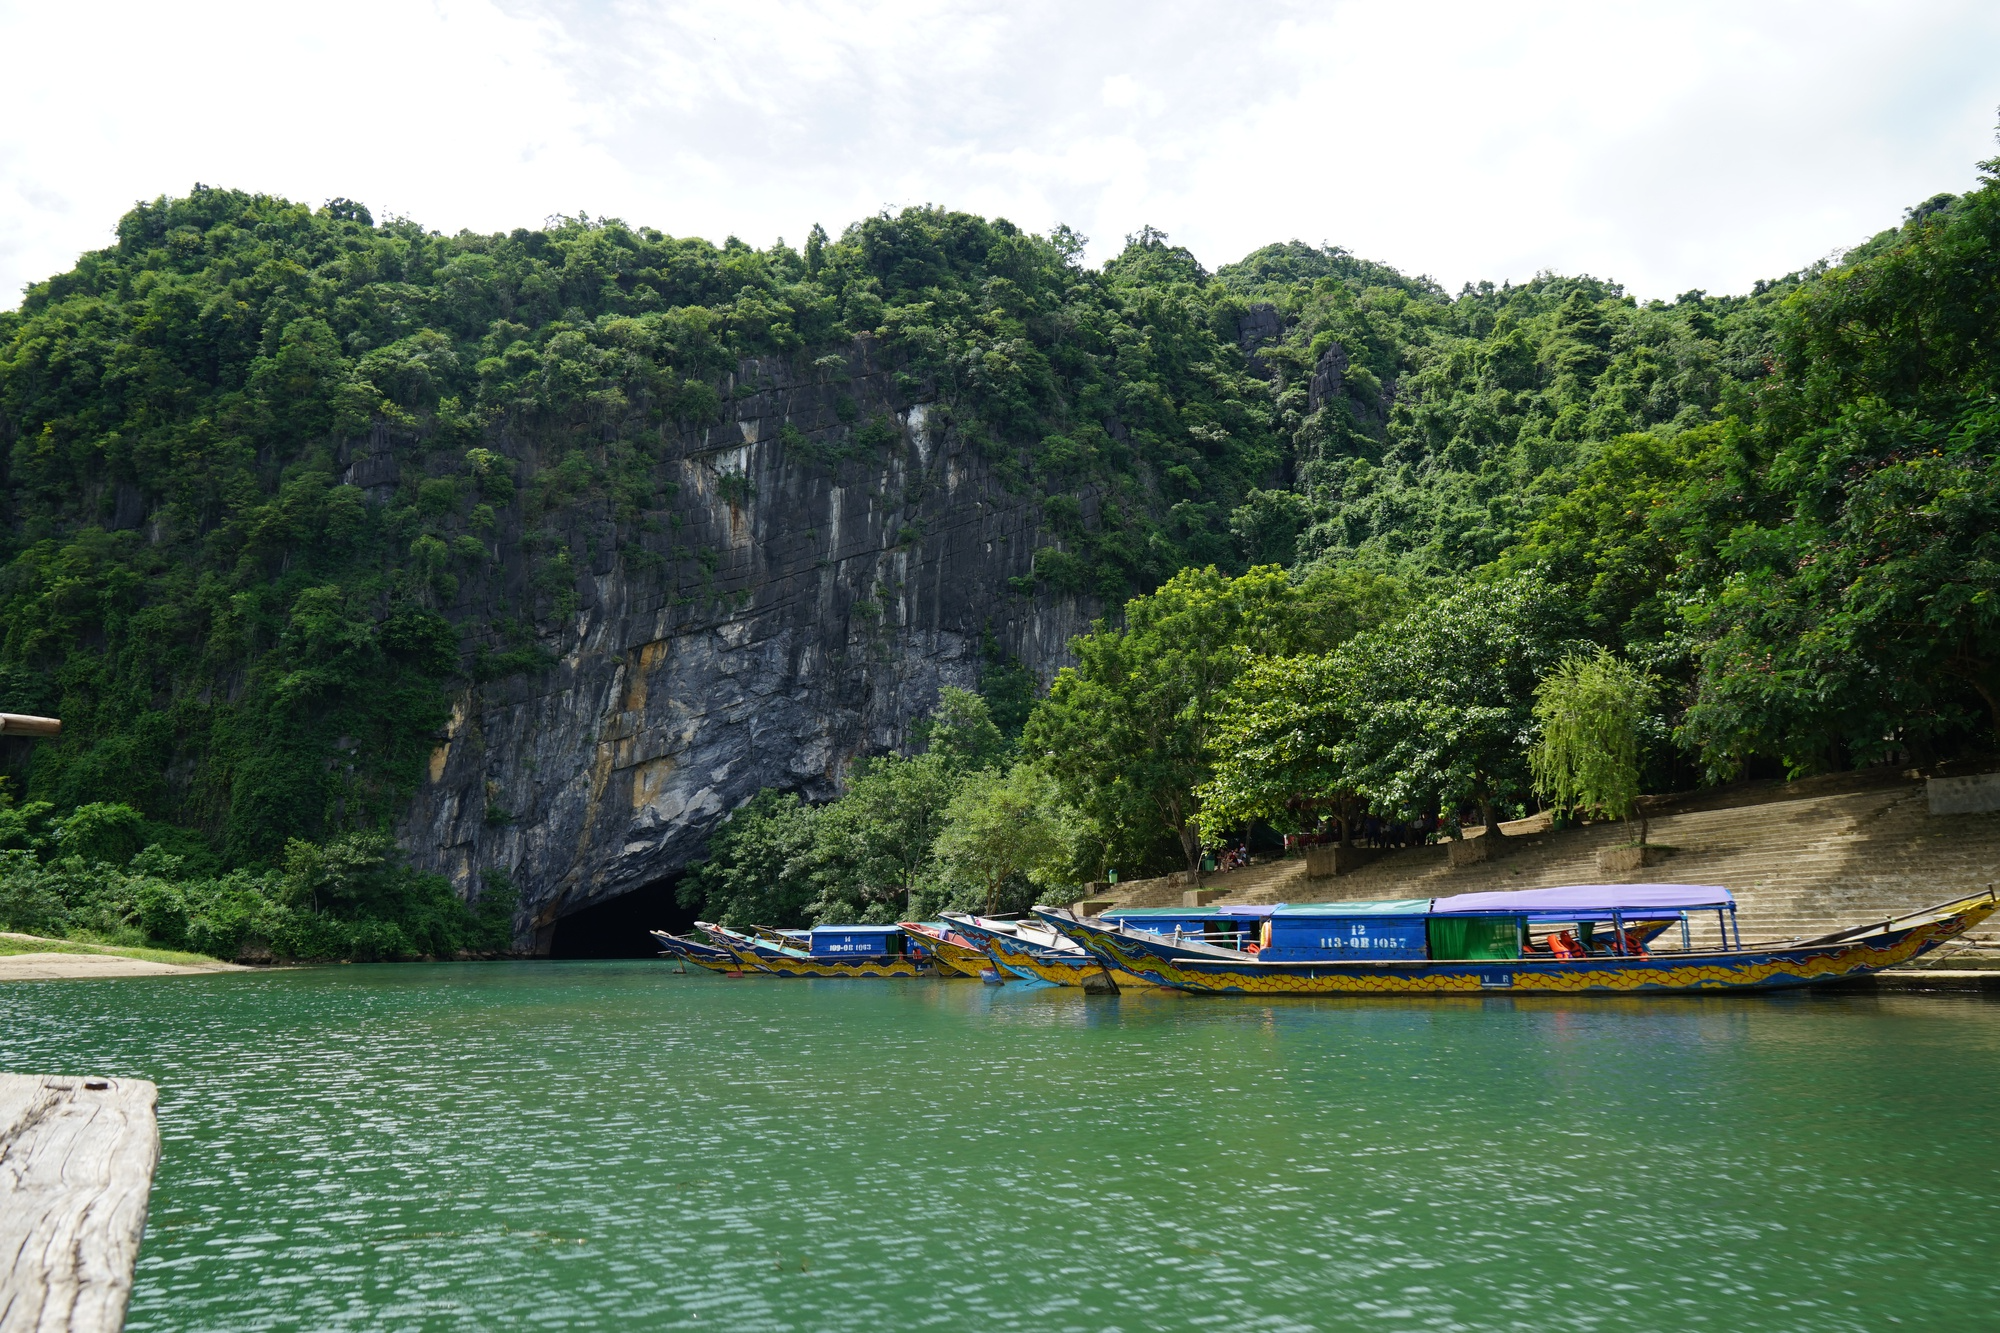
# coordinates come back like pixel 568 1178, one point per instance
pixel 1285 879
pixel 1797 867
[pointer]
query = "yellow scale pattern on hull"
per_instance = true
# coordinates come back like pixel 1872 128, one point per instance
pixel 713 964
pixel 806 967
pixel 957 959
pixel 1023 958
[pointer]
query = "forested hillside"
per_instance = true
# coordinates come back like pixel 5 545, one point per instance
pixel 1781 505
pixel 1761 527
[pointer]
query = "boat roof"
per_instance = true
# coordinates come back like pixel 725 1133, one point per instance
pixel 1376 907
pixel 1588 898
pixel 874 929
pixel 1188 913
pixel 1561 903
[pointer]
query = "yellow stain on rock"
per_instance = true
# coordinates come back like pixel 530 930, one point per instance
pixel 442 754
pixel 643 663
pixel 649 780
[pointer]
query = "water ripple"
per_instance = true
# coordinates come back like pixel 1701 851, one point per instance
pixel 614 1145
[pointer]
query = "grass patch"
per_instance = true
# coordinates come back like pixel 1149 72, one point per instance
pixel 11 943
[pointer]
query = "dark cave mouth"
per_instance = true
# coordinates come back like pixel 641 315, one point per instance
pixel 619 927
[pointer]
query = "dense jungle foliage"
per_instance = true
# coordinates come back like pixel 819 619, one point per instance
pixel 242 647
pixel 1773 515
pixel 1780 506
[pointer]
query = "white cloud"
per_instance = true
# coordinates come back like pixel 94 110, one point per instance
pixel 1702 144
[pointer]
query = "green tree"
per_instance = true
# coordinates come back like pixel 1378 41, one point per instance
pixel 874 843
pixel 761 868
pixel 865 856
pixel 961 732
pixel 1278 754
pixel 1443 699
pixel 1588 710
pixel 1005 826
pixel 102 831
pixel 1128 730
pixel 1855 615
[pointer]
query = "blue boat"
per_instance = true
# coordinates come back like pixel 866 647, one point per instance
pixel 699 952
pixel 1579 939
pixel 824 951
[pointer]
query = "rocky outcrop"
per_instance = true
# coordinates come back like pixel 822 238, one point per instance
pixel 1329 380
pixel 792 606
pixel 1258 327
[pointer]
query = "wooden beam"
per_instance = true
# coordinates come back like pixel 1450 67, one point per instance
pixel 76 1172
pixel 24 724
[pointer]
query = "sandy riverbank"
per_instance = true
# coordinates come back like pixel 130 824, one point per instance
pixel 63 960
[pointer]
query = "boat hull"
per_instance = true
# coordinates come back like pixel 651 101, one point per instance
pixel 1754 969
pixel 710 956
pixel 953 958
pixel 1029 963
pixel 756 956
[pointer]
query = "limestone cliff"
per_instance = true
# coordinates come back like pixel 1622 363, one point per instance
pixel 833 596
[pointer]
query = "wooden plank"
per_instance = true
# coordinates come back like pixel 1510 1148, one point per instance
pixel 76 1172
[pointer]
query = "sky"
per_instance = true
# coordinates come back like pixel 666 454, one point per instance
pixel 1666 146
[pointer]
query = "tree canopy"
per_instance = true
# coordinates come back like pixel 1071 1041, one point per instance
pixel 1588 711
pixel 1341 523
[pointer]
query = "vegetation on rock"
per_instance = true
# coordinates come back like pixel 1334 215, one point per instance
pixel 1354 522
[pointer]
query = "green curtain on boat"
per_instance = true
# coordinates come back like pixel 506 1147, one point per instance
pixel 1457 938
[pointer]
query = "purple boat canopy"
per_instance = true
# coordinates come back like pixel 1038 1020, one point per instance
pixel 1595 899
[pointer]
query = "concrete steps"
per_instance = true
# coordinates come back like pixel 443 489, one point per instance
pixel 1285 877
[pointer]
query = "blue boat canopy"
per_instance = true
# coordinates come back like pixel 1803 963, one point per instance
pixel 1559 904
pixel 1218 912
pixel 1384 907
pixel 1588 900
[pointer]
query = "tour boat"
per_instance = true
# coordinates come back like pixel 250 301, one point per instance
pixel 699 952
pixel 954 954
pixel 1241 926
pixel 827 951
pixel 1483 943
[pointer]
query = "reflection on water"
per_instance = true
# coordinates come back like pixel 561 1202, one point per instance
pixel 614 1145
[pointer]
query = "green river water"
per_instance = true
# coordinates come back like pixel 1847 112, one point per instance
pixel 613 1145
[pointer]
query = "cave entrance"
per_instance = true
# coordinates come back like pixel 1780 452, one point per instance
pixel 617 927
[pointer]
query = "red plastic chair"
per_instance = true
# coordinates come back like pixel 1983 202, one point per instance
pixel 1564 944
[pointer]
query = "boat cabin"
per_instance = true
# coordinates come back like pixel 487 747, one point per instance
pixel 1574 921
pixel 1309 932
pixel 857 941
pixel 1224 927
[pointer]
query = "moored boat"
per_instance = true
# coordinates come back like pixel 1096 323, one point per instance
pixel 829 951
pixel 1032 952
pixel 1528 942
pixel 954 954
pixel 699 952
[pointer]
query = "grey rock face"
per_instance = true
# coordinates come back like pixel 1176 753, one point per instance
pixel 1329 379
pixel 826 604
pixel 1254 328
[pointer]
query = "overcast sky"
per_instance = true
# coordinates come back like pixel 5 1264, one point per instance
pixel 1668 146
